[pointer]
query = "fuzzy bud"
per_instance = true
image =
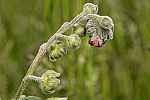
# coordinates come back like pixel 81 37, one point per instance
pixel 80 30
pixel 73 41
pixel 56 51
pixel 107 26
pixel 90 8
pixel 107 23
pixel 49 81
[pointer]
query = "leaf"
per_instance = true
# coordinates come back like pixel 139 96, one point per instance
pixel 23 97
pixel 56 98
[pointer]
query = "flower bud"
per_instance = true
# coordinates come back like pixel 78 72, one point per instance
pixel 107 26
pixel 106 23
pixel 80 30
pixel 73 41
pixel 56 51
pixel 90 8
pixel 49 81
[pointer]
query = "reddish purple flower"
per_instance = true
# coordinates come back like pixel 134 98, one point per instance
pixel 96 42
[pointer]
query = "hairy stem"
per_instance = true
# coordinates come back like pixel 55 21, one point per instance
pixel 43 48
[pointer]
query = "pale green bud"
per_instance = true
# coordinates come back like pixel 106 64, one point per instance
pixel 90 8
pixel 56 51
pixel 49 81
pixel 80 30
pixel 73 41
pixel 107 23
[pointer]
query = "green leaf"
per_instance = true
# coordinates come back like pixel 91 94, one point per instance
pixel 23 97
pixel 56 98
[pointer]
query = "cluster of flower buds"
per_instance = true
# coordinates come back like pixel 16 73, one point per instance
pixel 58 48
pixel 99 30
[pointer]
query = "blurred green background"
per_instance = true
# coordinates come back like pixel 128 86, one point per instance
pixel 118 71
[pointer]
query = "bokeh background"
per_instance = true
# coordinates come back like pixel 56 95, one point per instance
pixel 120 70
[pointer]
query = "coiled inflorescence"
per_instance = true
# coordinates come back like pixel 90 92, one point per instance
pixel 98 28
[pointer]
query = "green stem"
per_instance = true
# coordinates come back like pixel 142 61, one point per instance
pixel 25 82
pixel 31 77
